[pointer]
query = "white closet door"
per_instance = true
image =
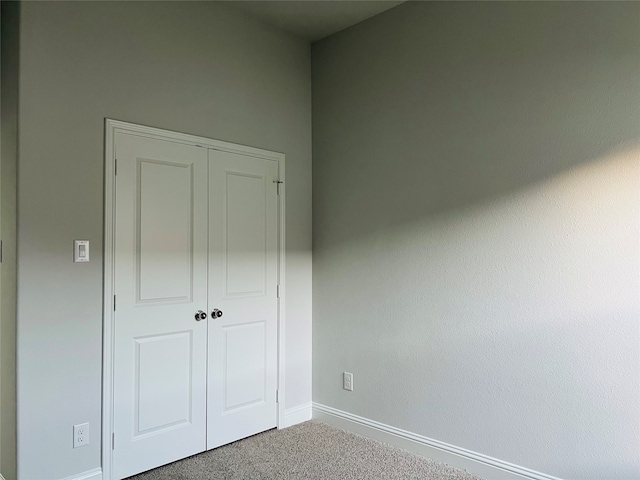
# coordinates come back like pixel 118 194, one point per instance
pixel 242 365
pixel 160 351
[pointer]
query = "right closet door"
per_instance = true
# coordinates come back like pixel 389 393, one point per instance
pixel 242 297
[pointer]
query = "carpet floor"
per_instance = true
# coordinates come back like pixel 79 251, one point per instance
pixel 311 451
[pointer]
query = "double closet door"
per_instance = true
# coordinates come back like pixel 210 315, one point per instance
pixel 195 342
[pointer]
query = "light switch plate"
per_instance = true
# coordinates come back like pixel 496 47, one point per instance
pixel 80 251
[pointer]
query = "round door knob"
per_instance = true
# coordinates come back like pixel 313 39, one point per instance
pixel 216 313
pixel 200 315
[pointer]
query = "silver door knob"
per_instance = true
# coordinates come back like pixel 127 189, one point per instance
pixel 216 313
pixel 200 315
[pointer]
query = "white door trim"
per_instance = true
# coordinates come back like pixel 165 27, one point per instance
pixel 111 128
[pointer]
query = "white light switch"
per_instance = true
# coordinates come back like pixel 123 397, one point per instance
pixel 81 251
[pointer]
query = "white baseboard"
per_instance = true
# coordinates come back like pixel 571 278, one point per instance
pixel 295 415
pixel 94 474
pixel 475 463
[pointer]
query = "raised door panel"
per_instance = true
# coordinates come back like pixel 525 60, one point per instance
pixel 165 247
pixel 245 365
pixel 163 370
pixel 245 242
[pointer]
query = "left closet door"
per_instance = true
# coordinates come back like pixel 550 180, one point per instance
pixel 160 349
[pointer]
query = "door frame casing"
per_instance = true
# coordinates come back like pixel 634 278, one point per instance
pixel 116 126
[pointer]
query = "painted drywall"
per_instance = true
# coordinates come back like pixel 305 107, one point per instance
pixel 194 67
pixel 9 14
pixel 476 229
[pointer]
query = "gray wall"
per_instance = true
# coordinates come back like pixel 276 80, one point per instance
pixel 194 67
pixel 476 228
pixel 8 157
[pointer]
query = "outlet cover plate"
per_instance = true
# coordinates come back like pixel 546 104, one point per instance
pixel 80 435
pixel 347 381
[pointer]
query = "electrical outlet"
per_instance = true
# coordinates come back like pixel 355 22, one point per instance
pixel 347 381
pixel 80 435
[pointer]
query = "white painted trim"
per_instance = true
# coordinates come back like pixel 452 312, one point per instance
pixel 296 415
pixel 107 303
pixel 282 230
pixel 95 474
pixel 111 128
pixel 1 477
pixel 187 139
pixel 473 462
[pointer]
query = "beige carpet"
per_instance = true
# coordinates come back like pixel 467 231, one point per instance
pixel 311 450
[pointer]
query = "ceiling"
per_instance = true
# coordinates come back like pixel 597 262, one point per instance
pixel 311 19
